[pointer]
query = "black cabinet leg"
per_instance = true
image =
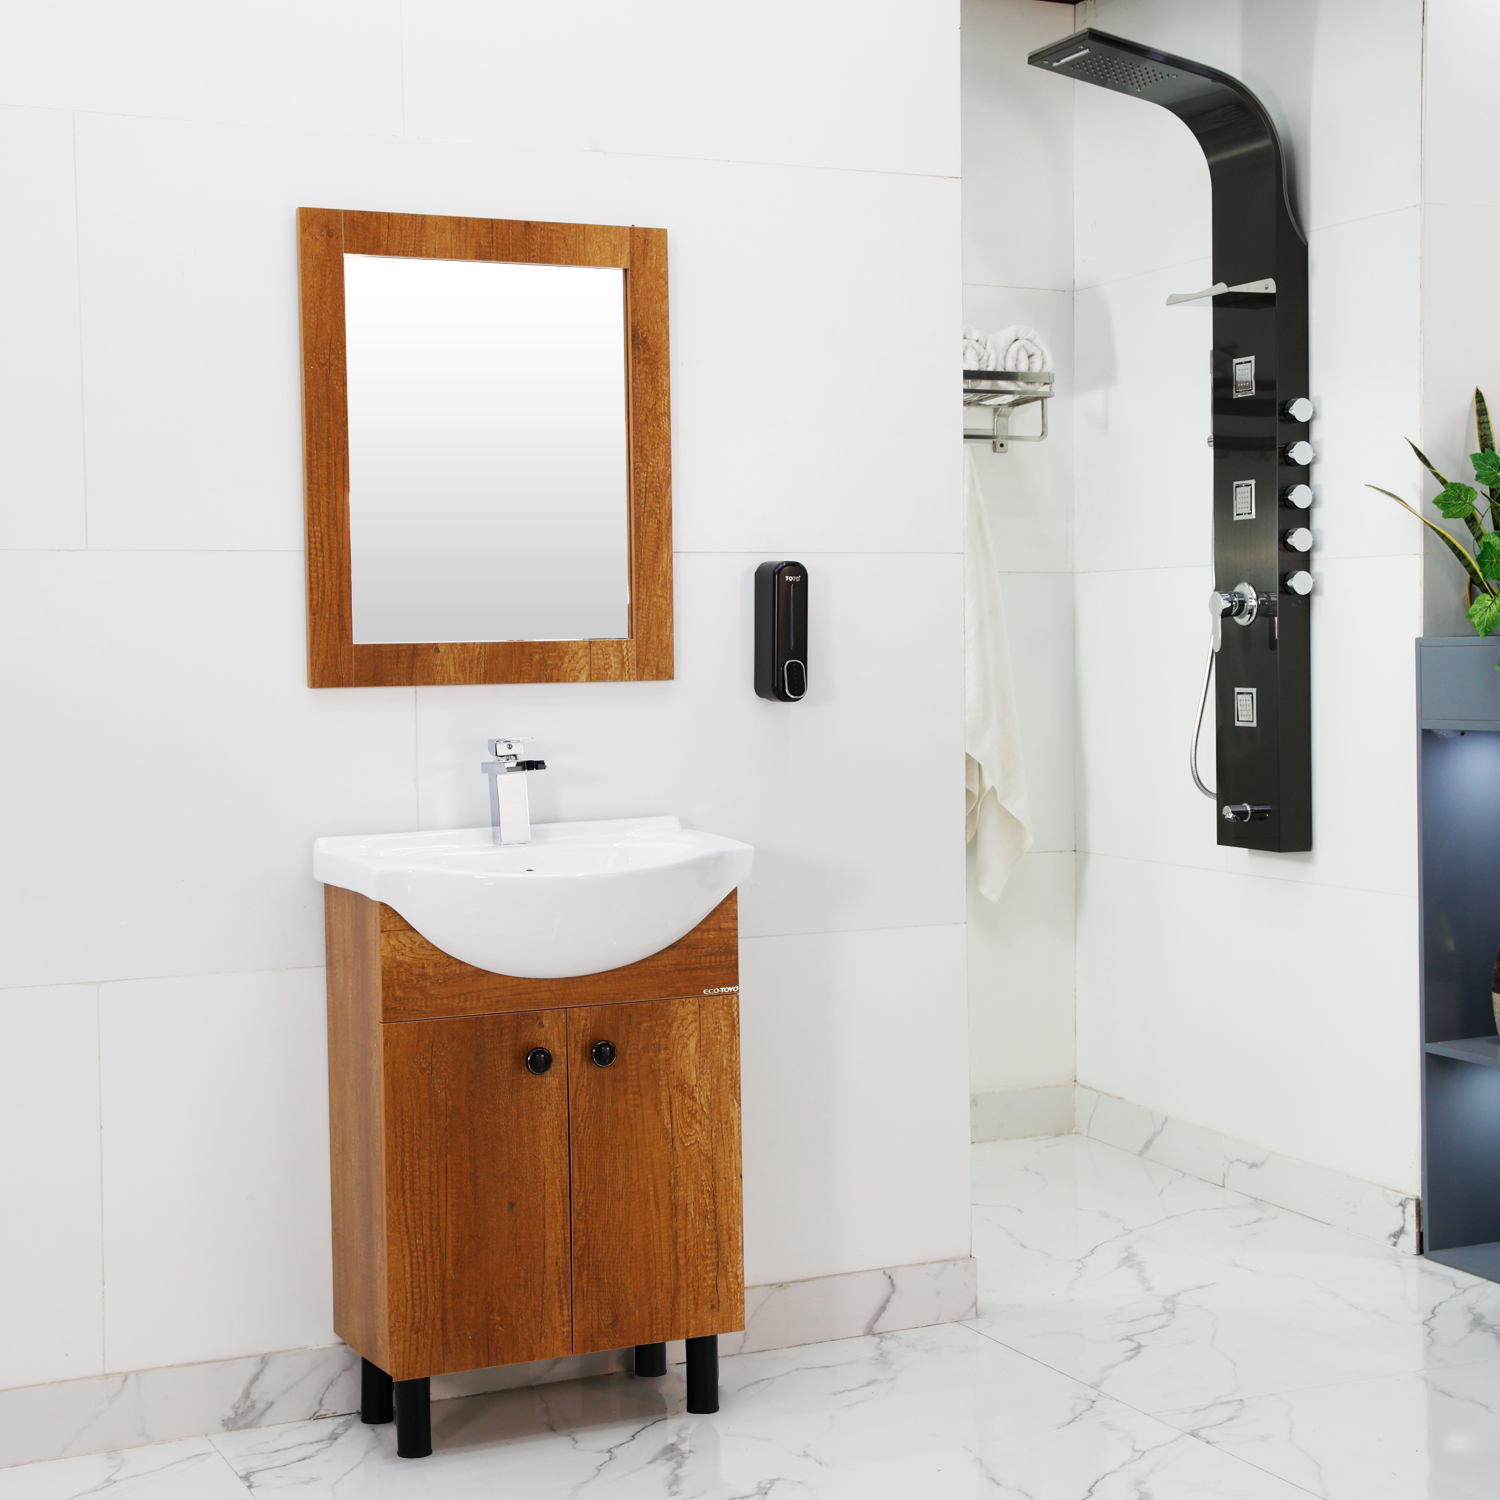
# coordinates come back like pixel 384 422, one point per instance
pixel 650 1359
pixel 375 1399
pixel 414 1418
pixel 703 1374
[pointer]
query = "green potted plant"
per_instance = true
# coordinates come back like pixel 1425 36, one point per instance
pixel 1462 502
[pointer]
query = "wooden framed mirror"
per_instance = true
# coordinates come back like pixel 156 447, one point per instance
pixel 487 440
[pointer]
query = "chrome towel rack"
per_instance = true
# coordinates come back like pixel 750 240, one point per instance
pixel 1004 392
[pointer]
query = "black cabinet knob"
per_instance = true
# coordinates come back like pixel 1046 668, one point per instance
pixel 538 1060
pixel 604 1053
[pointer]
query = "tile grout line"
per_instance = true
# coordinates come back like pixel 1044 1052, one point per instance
pixel 83 426
pixel 1289 880
pixel 1150 1416
pixel 99 1099
pixel 401 61
pixel 293 127
pixel 223 1458
pixel 761 937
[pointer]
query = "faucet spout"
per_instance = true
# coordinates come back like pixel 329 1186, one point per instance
pixel 510 803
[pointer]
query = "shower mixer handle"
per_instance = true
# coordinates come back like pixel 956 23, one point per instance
pixel 1241 605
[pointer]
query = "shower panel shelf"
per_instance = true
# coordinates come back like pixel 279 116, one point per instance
pixel 1003 392
pixel 1484 1050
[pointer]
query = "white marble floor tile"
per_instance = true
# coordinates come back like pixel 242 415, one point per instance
pixel 1142 1335
pixel 1170 1293
pixel 189 1470
pixel 935 1411
pixel 1435 1435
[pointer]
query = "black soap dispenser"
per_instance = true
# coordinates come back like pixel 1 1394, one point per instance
pixel 781 631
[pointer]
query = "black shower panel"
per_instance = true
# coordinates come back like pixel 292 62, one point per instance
pixel 1260 417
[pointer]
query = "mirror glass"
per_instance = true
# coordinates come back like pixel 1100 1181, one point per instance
pixel 488 455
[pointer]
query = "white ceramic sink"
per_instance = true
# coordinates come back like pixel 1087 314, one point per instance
pixel 578 899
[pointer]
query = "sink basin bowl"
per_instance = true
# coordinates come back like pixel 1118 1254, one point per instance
pixel 580 898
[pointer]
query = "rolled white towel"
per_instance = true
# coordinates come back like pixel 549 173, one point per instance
pixel 1020 348
pixel 980 351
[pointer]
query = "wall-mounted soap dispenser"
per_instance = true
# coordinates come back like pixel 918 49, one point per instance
pixel 1263 786
pixel 781 631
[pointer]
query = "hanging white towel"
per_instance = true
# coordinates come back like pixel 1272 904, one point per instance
pixel 1020 348
pixel 999 818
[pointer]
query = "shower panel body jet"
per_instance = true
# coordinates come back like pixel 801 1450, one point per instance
pixel 1260 430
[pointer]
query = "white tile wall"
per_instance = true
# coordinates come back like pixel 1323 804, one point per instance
pixel 189 252
pixel 1021 978
pixel 170 735
pixel 214 1096
pixel 1143 464
pixel 1319 65
pixel 480 71
pixel 1267 1010
pixel 1016 1114
pixel 1460 313
pixel 1199 31
pixel 1039 626
pixel 845 838
pixel 1352 267
pixel 324 64
pixel 170 768
pixel 52 1292
pixel 41 399
pixel 1460 350
pixel 1141 193
pixel 846 1040
pixel 1461 110
pixel 1018 268
pixel 1028 490
pixel 1017 150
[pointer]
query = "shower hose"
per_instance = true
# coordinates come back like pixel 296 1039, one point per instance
pixel 1208 673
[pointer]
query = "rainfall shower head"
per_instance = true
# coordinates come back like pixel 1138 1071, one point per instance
pixel 1120 65
pixel 1230 122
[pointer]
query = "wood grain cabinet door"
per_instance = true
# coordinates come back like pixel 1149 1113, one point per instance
pixel 476 1167
pixel 655 1171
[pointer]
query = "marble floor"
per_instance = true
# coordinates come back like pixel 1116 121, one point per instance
pixel 1142 1335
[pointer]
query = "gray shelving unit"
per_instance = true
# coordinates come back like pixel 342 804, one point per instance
pixel 1458 704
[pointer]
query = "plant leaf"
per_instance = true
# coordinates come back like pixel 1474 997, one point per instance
pixel 1486 467
pixel 1484 614
pixel 1465 560
pixel 1488 556
pixel 1456 501
pixel 1482 421
pixel 1426 464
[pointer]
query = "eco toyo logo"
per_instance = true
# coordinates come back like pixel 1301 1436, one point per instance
pixel 724 989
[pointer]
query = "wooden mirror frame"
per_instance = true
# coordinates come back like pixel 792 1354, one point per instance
pixel 324 236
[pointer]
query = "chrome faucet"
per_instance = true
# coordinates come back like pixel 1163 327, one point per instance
pixel 510 806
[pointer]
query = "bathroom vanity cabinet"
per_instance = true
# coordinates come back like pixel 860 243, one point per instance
pixel 527 1168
